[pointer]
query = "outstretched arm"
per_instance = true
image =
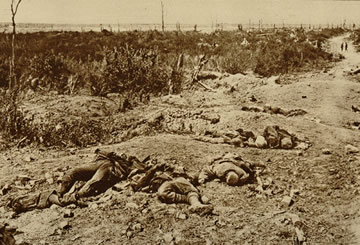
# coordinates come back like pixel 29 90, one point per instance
pixel 205 175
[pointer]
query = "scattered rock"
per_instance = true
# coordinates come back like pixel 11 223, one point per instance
pixel 94 206
pixel 131 205
pixel 29 158
pixel 68 213
pixel 64 225
pixel 287 200
pixel 6 188
pixel 350 149
pixel 355 108
pixel 260 142
pixel 137 227
pixel 72 151
pixel 168 237
pixel 181 216
pixel 326 151
pixel 294 192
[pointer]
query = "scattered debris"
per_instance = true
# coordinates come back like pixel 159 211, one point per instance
pixel 64 225
pixel 5 189
pixel 68 213
pixel 29 158
pixel 355 108
pixel 181 216
pixel 326 151
pixel 287 200
pixel 350 149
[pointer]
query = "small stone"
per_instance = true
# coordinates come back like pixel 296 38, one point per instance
pixel 260 142
pixel 5 189
pixel 64 225
pixel 182 216
pixel 137 227
pixel 50 181
pixel 287 200
pixel 29 158
pixel 68 213
pixel 23 178
pixel 326 151
pixel 268 192
pixel 350 149
pixel 294 192
pixel 72 151
pixel 94 206
pixel 131 205
pixel 58 127
pixel 168 237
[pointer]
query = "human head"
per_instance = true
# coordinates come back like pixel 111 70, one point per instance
pixel 232 178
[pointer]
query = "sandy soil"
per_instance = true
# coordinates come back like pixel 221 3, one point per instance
pixel 323 178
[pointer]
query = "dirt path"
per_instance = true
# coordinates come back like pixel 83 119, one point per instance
pixel 333 100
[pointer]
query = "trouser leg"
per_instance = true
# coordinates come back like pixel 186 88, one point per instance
pixel 100 176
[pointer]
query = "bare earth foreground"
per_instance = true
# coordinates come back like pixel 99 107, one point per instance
pixel 323 179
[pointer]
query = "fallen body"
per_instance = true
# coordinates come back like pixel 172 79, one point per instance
pixel 173 185
pixel 106 170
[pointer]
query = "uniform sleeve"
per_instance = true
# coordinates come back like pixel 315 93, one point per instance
pixel 206 174
pixel 170 196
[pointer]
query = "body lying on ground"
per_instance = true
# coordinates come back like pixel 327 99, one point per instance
pixel 272 137
pixel 173 185
pixel 229 168
pixel 105 171
pixel 277 137
pixel 274 110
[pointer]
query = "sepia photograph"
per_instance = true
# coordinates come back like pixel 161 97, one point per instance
pixel 209 122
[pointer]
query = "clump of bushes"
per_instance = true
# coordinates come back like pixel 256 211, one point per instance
pixel 135 64
pixel 17 127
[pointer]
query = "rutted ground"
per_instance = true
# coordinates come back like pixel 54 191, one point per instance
pixel 324 177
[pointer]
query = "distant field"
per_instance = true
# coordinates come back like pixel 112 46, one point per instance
pixel 32 27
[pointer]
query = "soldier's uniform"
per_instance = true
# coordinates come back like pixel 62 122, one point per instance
pixel 221 166
pixel 106 170
pixel 173 185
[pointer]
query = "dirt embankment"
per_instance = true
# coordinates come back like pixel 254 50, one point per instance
pixel 322 181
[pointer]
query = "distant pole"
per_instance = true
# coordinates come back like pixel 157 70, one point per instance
pixel 162 16
pixel 14 9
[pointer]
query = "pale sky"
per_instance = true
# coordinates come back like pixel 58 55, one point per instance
pixel 183 11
